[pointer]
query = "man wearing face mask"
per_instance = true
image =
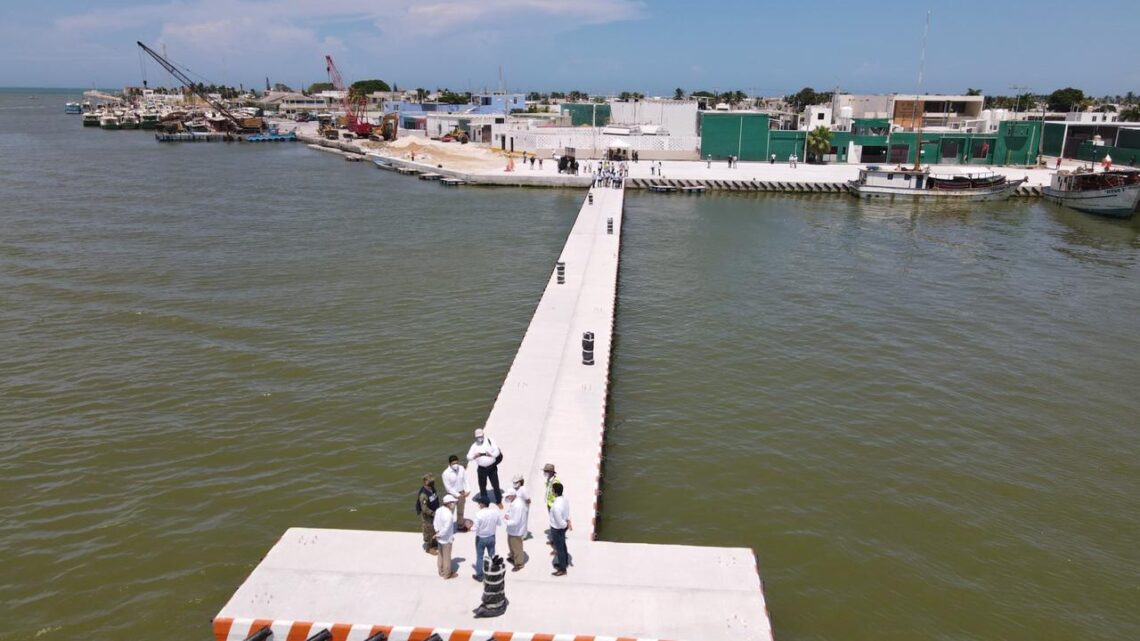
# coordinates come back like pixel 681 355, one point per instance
pixel 455 484
pixel 426 504
pixel 486 455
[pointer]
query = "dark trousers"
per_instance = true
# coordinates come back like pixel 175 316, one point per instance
pixel 561 556
pixel 490 472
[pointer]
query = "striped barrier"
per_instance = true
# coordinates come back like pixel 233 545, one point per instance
pixel 238 629
pixel 1024 191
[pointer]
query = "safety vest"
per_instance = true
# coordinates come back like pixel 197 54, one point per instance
pixel 550 490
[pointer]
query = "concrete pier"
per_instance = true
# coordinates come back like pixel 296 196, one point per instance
pixel 550 409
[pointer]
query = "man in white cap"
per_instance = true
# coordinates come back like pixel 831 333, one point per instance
pixel 487 456
pixel 444 522
pixel 517 514
pixel 520 489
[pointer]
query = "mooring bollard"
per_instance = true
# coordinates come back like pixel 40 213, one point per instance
pixel 587 348
pixel 323 635
pixel 590 198
pixel 379 636
pixel 609 225
pixel 560 267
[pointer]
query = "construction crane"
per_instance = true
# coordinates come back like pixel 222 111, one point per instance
pixel 234 121
pixel 353 107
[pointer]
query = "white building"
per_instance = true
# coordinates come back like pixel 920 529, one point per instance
pixel 677 117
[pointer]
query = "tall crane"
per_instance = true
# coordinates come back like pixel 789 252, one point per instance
pixel 354 108
pixel 234 121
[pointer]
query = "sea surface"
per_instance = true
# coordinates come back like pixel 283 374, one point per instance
pixel 924 421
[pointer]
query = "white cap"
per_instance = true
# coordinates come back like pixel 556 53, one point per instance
pixel 449 499
pixel 518 478
pixel 479 433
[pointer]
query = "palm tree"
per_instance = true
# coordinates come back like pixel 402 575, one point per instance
pixel 678 94
pixel 973 92
pixel 819 142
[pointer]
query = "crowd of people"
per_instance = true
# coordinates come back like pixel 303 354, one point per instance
pixel 441 518
pixel 609 173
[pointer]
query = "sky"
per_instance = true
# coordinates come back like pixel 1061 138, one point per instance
pixel 596 46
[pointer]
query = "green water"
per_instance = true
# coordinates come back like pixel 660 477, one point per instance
pixel 923 422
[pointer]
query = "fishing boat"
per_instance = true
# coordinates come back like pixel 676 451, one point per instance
pixel 73 108
pixel 1114 192
pixel 129 120
pixel 110 121
pixel 90 119
pixel 148 120
pixel 921 184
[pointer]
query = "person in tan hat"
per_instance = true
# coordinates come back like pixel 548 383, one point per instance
pixel 427 502
pixel 444 523
pixel 551 479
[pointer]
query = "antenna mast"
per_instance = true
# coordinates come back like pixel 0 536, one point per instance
pixel 914 112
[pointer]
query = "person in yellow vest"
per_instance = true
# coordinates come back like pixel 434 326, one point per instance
pixel 551 479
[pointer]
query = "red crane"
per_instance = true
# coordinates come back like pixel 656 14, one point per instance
pixel 354 107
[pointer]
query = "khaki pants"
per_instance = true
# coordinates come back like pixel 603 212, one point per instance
pixel 444 560
pixel 459 511
pixel 515 545
pixel 428 528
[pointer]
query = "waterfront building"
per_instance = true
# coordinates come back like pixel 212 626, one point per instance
pixel 1092 141
pixel 674 116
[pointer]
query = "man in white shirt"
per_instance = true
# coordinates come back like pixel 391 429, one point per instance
pixel 517 513
pixel 520 489
pixel 486 455
pixel 487 520
pixel 559 525
pixel 444 522
pixel 455 484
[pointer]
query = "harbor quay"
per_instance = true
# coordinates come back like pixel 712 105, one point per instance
pixel 550 410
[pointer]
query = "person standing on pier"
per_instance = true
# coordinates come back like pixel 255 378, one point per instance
pixel 455 484
pixel 551 479
pixel 444 523
pixel 519 483
pixel 559 525
pixel 487 456
pixel 426 504
pixel 517 514
pixel 487 520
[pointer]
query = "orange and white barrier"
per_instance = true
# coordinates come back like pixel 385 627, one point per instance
pixel 238 629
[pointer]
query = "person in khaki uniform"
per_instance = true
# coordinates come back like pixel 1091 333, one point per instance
pixel 426 504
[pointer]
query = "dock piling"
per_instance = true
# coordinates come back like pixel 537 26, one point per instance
pixel 560 267
pixel 587 348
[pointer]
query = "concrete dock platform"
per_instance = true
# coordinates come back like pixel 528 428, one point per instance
pixel 550 409
pixel 355 583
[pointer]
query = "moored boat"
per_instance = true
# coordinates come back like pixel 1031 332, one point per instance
pixel 110 121
pixel 1114 192
pixel 129 121
pixel 920 184
pixel 148 120
pixel 73 108
pixel 90 119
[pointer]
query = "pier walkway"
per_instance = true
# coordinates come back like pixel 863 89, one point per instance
pixel 550 409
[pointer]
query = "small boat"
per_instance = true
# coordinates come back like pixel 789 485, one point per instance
pixel 273 134
pixel 110 121
pixel 129 120
pixel 90 119
pixel 73 108
pixel 920 184
pixel 148 120
pixel 1114 192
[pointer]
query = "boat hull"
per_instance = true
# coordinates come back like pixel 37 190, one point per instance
pixel 998 192
pixel 1116 202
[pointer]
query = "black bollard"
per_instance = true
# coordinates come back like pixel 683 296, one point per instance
pixel 609 225
pixel 590 198
pixel 494 602
pixel 587 348
pixel 379 636
pixel 261 635
pixel 323 635
pixel 560 267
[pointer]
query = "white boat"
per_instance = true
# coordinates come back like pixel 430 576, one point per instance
pixel 110 121
pixel 1114 192
pixel 920 184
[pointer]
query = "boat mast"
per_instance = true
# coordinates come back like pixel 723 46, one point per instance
pixel 914 110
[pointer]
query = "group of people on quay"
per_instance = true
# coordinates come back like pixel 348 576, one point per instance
pixel 610 174
pixel 441 518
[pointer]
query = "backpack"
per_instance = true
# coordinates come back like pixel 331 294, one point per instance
pixel 499 458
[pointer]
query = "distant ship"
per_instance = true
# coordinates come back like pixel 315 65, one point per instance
pixel 1114 192
pixel 920 184
pixel 73 108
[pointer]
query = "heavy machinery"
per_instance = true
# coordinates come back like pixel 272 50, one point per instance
pixel 354 106
pixel 234 122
